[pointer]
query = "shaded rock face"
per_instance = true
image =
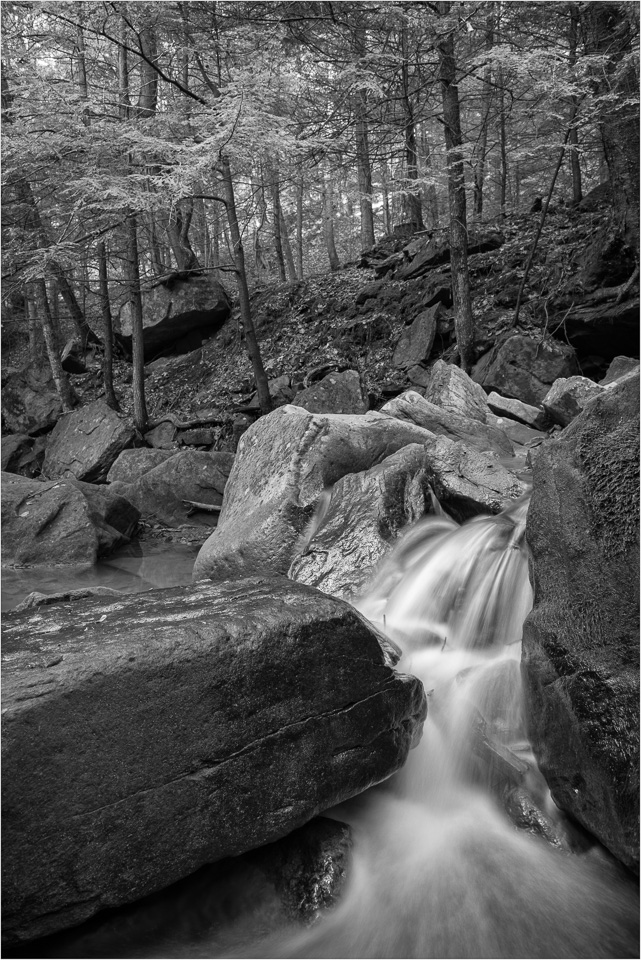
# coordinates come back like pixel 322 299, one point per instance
pixel 335 393
pixel 525 369
pixel 283 464
pixel 416 341
pixel 188 475
pixel 46 523
pixel 30 402
pixel 85 444
pixel 567 397
pixel 14 448
pixel 450 388
pixel 619 367
pixel 581 641
pixel 222 717
pixel 173 309
pixel 364 514
pixel 132 464
pixel 414 408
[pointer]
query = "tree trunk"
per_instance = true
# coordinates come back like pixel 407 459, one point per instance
pixel 299 225
pixel 463 321
pixel 328 222
pixel 35 331
pixel 362 151
pixel 132 278
pixel 253 350
pixel 178 225
pixel 78 318
pixel 53 351
pixel 486 102
pixel 107 328
pixel 278 219
pixel 287 247
pixel 413 195
pixel 575 163
pixel 148 94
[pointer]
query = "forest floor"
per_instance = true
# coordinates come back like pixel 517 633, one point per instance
pixel 313 326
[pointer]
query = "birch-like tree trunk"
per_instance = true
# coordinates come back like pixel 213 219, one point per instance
pixel 51 343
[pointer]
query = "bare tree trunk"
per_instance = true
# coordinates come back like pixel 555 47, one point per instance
pixel 53 351
pixel 328 222
pixel 278 219
pixel 575 163
pixel 463 320
pixel 148 94
pixel 253 350
pixel 486 102
pixel 107 328
pixel 287 247
pixel 132 278
pixel 299 225
pixel 413 196
pixel 362 151
pixel 177 229
pixel 35 331
pixel 387 218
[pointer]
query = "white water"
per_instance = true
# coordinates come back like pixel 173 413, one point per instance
pixel 438 868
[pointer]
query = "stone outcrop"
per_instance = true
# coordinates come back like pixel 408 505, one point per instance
pixel 567 397
pixel 48 523
pixel 30 402
pixel 619 367
pixel 194 475
pixel 524 368
pixel 84 444
pixel 283 464
pixel 412 407
pixel 132 464
pixel 177 313
pixel 581 641
pixel 363 516
pixel 147 736
pixel 335 393
pixel 450 388
pixel 415 344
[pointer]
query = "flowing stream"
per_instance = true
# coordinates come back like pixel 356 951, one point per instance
pixel 439 867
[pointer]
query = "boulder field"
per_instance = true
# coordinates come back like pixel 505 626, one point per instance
pixel 148 735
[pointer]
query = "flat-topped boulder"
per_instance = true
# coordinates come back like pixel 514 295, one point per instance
pixel 84 444
pixel 146 736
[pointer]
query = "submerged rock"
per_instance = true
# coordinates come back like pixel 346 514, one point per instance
pixel 581 641
pixel 284 463
pixel 146 736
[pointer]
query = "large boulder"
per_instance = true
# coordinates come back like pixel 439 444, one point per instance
pixel 147 736
pixel 450 388
pixel 132 464
pixel 412 407
pixel 618 368
pixel 415 344
pixel 284 463
pixel 567 397
pixel 525 413
pixel 335 393
pixel 189 475
pixel 14 447
pixel 364 515
pixel 49 523
pixel 30 401
pixel 581 641
pixel 84 444
pixel 525 369
pixel 174 308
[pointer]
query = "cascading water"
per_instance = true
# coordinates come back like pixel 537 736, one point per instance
pixel 439 867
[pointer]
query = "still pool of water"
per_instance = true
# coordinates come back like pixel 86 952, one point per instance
pixel 132 569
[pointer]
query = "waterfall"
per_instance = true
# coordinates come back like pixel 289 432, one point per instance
pixel 440 868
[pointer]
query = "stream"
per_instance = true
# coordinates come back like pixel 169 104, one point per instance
pixel 439 868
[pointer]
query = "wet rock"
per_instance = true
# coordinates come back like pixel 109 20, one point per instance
pixel 308 868
pixel 517 410
pixel 132 464
pixel 195 475
pixel 415 344
pixel 364 514
pixel 48 523
pixel 84 444
pixel 469 482
pixel 450 388
pixel 525 369
pixel 619 367
pixel 519 434
pixel 222 716
pixel 567 397
pixel 174 307
pixel 36 599
pixel 581 641
pixel 414 408
pixel 30 402
pixel 526 815
pixel 335 393
pixel 284 462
